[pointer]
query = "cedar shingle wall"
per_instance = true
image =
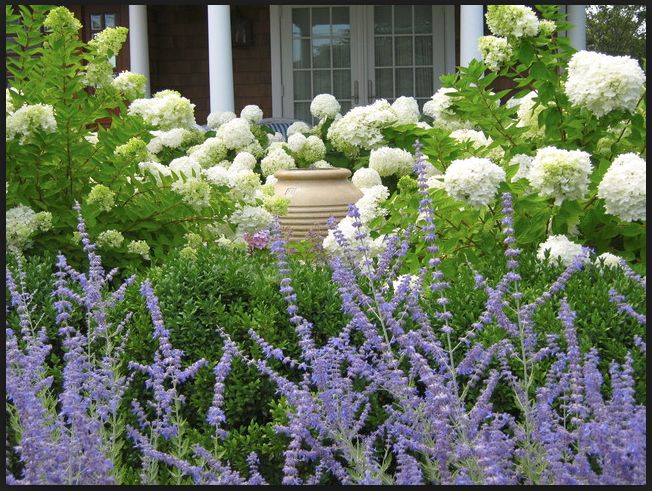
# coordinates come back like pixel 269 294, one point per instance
pixel 178 57
pixel 178 53
pixel 252 66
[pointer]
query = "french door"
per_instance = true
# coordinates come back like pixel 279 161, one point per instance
pixel 361 53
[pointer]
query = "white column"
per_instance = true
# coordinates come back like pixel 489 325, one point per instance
pixel 138 43
pixel 220 65
pixel 471 29
pixel 577 17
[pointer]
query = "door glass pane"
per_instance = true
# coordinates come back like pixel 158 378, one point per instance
pixel 342 84
pixel 302 85
pixel 383 20
pixel 345 106
pixel 423 50
pixel 321 56
pixel 423 19
pixel 321 53
pixel 109 20
pixel 404 45
pixel 403 50
pixel 96 22
pixel 384 83
pixel 404 82
pixel 402 19
pixel 383 51
pixel 301 53
pixel 321 22
pixel 423 82
pixel 321 81
pixel 301 22
pixel 342 54
pixel 341 24
pixel 302 111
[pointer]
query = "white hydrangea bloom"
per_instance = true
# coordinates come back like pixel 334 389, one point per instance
pixel 547 27
pixel 313 149
pixel 271 180
pixel 251 218
pixel 217 175
pixel 527 113
pixel 22 223
pixel 156 169
pixel 479 141
pixel 187 166
pixel 252 113
pixel 320 164
pixel 275 160
pixel 110 239
pixel 245 160
pixel 563 174
pixel 474 181
pixel 194 191
pixel 524 162
pixel 623 188
pixel 235 134
pixel 391 161
pixel 603 83
pixel 495 51
pixel 166 110
pixel 366 178
pixel 254 148
pixel 209 153
pixel 411 279
pixel 560 247
pixel 512 20
pixel 406 110
pixel 297 127
pixel 244 183
pixel 360 128
pixel 218 118
pixel 276 137
pixel 171 139
pixel 324 106
pixel 139 247
pixel 92 138
pixel 28 119
pixel 435 182
pixel 439 108
pixel 130 85
pixel 369 205
pixel 296 142
pixel 9 103
pixel 608 260
pixel 345 226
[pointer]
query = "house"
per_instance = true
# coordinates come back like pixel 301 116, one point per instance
pixel 280 56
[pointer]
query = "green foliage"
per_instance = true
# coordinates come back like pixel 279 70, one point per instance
pixel 52 171
pixel 617 30
pixel 537 64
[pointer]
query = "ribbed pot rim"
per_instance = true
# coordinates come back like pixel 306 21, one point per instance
pixel 313 174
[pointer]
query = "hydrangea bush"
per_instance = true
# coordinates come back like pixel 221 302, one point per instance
pixel 562 131
pixel 144 172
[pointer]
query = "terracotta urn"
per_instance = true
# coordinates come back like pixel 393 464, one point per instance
pixel 315 195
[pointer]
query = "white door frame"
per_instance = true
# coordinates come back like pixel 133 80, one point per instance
pixel 362 69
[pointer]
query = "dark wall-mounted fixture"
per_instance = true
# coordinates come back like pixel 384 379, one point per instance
pixel 242 35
